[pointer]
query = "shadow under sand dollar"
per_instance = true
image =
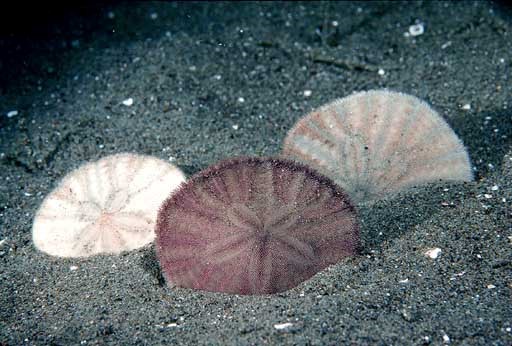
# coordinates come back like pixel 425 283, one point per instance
pixel 390 218
pixel 149 262
pixel 487 137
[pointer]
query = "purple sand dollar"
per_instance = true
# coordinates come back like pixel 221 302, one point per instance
pixel 254 226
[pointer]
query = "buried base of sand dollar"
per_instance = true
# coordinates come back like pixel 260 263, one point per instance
pixel 108 206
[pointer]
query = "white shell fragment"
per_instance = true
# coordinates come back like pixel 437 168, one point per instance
pixel 433 253
pixel 416 29
pixel 128 102
pixel 11 114
pixel 281 326
pixel 377 143
pixel 108 206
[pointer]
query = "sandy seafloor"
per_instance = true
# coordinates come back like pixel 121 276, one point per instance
pixel 216 80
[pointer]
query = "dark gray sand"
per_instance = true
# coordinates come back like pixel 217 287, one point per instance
pixel 215 80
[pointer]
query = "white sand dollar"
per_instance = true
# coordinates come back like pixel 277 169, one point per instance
pixel 376 143
pixel 108 206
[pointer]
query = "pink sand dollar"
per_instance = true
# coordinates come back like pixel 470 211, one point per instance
pixel 108 206
pixel 377 143
pixel 254 226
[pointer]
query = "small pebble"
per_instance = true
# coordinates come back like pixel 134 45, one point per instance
pixel 73 268
pixel 416 29
pixel 490 286
pixel 128 102
pixel 12 114
pixel 281 326
pixel 404 281
pixel 446 339
pixel 446 45
pixel 381 72
pixel 457 274
pixel 495 188
pixel 307 93
pixel 466 107
pixel 235 127
pixel 433 253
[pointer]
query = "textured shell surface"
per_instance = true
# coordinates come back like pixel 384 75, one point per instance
pixel 377 143
pixel 254 226
pixel 108 206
